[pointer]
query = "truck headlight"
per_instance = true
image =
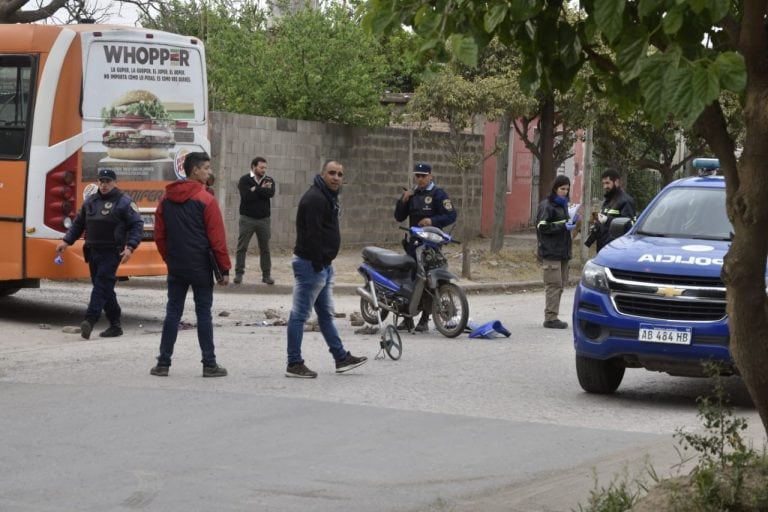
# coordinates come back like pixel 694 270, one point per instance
pixel 593 277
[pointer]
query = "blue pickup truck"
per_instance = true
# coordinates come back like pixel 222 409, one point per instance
pixel 653 298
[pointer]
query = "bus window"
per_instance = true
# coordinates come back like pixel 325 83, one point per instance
pixel 16 73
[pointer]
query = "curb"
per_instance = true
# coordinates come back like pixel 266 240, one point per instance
pixel 158 283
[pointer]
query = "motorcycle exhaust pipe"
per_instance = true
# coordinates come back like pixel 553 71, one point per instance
pixel 365 294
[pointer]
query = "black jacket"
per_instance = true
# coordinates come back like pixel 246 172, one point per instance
pixel 110 221
pixel 317 225
pixel 618 204
pixel 554 239
pixel 255 204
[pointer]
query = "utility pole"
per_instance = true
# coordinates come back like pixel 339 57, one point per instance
pixel 586 194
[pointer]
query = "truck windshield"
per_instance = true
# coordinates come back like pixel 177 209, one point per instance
pixel 15 97
pixel 688 213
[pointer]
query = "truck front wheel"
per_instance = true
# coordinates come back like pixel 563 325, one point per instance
pixel 597 376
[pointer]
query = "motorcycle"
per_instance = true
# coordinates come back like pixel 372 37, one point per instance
pixel 396 283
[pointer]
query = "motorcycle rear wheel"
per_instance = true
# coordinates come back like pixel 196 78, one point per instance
pixel 368 312
pixel 450 310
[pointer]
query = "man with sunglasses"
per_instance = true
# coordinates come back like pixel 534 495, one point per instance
pixel 317 243
pixel 113 229
pixel 423 205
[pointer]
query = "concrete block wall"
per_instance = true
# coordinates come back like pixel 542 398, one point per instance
pixel 377 165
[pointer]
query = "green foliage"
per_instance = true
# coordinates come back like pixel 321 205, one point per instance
pixel 620 495
pixel 311 64
pixel 723 455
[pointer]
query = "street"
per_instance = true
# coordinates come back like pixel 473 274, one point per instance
pixel 456 424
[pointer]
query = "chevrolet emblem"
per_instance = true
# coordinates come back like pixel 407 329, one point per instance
pixel 669 292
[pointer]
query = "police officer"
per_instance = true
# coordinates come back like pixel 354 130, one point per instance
pixel 617 203
pixel 113 229
pixel 423 205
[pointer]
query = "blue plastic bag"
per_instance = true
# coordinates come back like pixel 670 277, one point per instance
pixel 489 330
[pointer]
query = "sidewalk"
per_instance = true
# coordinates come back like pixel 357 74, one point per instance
pixel 494 276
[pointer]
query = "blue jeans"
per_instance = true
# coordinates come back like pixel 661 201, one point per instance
pixel 177 294
pixel 312 289
pixel 103 264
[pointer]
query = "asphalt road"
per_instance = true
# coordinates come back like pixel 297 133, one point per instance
pixel 456 424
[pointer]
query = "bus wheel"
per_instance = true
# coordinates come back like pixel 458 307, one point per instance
pixel 5 292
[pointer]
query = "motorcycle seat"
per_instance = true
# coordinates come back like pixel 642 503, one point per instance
pixel 386 259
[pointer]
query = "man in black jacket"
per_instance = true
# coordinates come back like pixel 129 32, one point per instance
pixel 256 190
pixel 113 229
pixel 317 244
pixel 617 203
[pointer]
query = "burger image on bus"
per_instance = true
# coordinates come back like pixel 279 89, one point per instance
pixel 137 127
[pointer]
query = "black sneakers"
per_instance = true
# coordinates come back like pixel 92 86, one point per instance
pixel 267 280
pixel 238 278
pixel 85 329
pixel 422 326
pixel 112 332
pixel 159 371
pixel 214 371
pixel 349 363
pixel 555 324
pixel 405 325
pixel 299 371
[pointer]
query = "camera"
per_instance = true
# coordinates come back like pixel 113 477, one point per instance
pixel 593 234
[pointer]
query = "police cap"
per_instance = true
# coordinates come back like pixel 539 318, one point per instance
pixel 422 169
pixel 107 174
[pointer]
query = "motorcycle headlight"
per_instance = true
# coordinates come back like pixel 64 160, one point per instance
pixel 432 237
pixel 593 277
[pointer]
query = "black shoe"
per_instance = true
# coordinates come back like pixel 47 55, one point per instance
pixel 422 326
pixel 238 279
pixel 268 280
pixel 405 325
pixel 214 371
pixel 299 371
pixel 349 363
pixel 85 329
pixel 112 332
pixel 555 324
pixel 159 371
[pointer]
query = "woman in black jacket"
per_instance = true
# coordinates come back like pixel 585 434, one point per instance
pixel 553 231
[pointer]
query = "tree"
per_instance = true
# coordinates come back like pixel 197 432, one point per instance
pixel 310 64
pixel 450 98
pixel 669 58
pixel 66 11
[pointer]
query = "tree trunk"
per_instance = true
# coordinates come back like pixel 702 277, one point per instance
pixel 744 275
pixel 466 263
pixel 744 268
pixel 547 143
pixel 500 184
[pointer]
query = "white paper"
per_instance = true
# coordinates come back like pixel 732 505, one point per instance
pixel 573 210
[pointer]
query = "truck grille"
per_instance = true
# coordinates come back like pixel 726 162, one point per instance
pixel 675 280
pixel 670 309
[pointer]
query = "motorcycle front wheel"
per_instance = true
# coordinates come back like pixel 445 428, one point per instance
pixel 368 312
pixel 450 310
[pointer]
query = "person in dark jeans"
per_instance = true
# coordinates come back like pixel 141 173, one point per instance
pixel 113 230
pixel 256 191
pixel 190 236
pixel 317 243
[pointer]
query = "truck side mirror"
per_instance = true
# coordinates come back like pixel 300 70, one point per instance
pixel 618 227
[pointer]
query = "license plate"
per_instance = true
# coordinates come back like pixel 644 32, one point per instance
pixel 149 220
pixel 676 336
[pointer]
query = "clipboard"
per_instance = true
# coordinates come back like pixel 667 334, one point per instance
pixel 217 275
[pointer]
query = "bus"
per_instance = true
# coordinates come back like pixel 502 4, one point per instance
pixel 75 99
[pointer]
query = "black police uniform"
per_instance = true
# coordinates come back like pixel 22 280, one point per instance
pixel 617 203
pixel 110 222
pixel 431 202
